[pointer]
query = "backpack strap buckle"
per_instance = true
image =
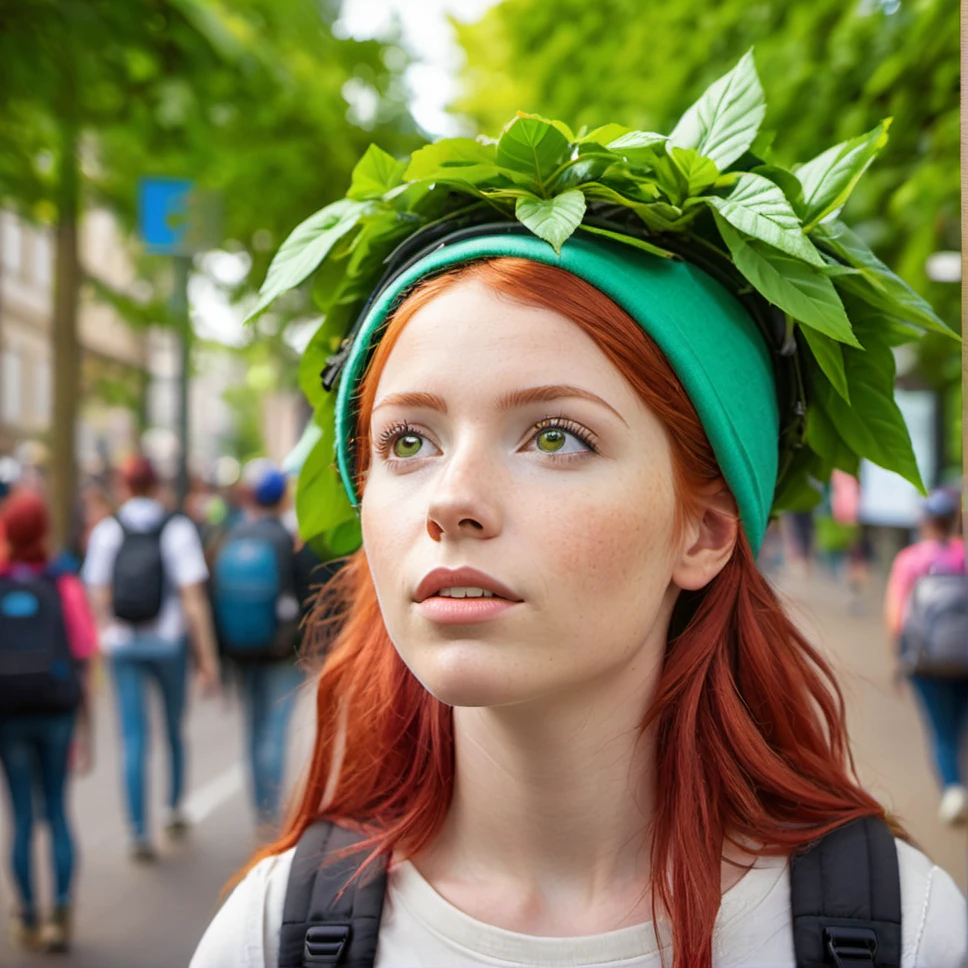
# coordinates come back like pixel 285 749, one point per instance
pixel 850 947
pixel 325 944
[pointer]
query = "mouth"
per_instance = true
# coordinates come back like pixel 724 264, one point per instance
pixel 461 584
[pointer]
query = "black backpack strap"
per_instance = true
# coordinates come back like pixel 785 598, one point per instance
pixel 323 925
pixel 845 894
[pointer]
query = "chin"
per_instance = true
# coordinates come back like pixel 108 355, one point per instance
pixel 467 674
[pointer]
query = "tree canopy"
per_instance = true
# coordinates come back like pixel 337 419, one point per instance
pixel 831 71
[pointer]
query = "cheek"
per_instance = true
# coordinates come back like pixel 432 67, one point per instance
pixel 386 536
pixel 612 540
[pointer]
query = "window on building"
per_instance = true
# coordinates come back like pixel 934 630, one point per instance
pixel 43 258
pixel 11 386
pixel 11 242
pixel 43 403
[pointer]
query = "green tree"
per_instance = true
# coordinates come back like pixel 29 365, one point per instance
pixel 245 97
pixel 831 71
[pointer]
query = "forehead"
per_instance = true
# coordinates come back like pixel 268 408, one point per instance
pixel 470 337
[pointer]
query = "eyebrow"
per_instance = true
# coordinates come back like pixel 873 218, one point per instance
pixel 508 401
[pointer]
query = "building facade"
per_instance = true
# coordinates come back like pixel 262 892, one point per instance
pixel 112 354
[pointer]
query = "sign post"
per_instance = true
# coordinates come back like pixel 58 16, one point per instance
pixel 175 219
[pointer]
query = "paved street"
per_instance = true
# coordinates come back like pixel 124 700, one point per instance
pixel 152 917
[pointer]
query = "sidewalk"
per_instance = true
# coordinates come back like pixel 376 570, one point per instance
pixel 887 735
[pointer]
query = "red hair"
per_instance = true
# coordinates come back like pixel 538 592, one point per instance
pixel 26 525
pixel 139 475
pixel 751 734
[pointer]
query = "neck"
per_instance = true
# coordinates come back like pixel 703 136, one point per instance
pixel 551 809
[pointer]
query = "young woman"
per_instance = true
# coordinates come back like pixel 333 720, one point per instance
pixel 629 697
pixel 39 722
pixel 563 708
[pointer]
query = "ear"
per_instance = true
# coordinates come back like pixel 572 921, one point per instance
pixel 708 540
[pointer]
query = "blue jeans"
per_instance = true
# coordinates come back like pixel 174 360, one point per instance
pixel 34 752
pixel 131 675
pixel 945 703
pixel 268 696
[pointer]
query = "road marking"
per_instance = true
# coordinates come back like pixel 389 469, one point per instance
pixel 204 801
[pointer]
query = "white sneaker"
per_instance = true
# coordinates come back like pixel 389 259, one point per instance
pixel 954 804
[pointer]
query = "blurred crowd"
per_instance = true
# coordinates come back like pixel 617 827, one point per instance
pixel 216 591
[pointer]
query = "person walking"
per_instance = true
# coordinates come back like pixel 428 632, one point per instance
pixel 146 576
pixel 256 598
pixel 48 643
pixel 912 622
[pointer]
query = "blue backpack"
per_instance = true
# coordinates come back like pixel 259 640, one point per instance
pixel 246 586
pixel 38 672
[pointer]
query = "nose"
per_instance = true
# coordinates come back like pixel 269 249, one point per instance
pixel 465 502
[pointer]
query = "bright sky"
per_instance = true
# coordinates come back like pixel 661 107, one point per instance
pixel 430 39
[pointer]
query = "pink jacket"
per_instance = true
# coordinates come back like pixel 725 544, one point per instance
pixel 913 563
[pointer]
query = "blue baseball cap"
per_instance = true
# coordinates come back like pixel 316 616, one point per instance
pixel 270 488
pixel 940 503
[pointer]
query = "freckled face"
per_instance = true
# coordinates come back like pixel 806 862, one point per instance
pixel 563 495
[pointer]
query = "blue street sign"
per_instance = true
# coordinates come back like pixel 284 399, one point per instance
pixel 163 222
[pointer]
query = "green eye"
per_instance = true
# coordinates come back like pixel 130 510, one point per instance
pixel 550 441
pixel 407 445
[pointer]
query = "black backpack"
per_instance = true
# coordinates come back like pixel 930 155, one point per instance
pixel 38 672
pixel 138 582
pixel 845 893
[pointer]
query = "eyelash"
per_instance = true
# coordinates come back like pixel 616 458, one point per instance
pixel 388 437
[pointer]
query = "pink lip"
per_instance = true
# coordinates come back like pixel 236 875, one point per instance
pixel 462 611
pixel 440 578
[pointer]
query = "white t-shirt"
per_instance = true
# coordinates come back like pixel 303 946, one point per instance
pixel 419 929
pixel 183 561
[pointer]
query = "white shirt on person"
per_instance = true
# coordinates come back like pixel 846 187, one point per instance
pixel 420 929
pixel 183 561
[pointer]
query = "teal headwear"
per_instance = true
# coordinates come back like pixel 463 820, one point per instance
pixel 708 223
pixel 707 336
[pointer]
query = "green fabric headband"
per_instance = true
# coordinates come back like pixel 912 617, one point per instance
pixel 709 339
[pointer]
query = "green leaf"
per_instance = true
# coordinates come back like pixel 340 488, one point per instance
pixel 454 160
pixel 872 424
pixel 788 183
pixel 878 284
pixel 534 147
pixel 323 510
pixel 375 174
pixel 829 357
pixel 603 135
pixel 657 216
pixel 628 240
pixel 697 172
pixel 798 289
pixel 324 343
pixel 639 147
pixel 590 163
pixel 552 219
pixel 758 208
pixel 822 437
pixel 723 123
pixel 307 246
pixel 829 178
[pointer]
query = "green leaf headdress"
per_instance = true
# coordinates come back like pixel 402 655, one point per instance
pixel 699 212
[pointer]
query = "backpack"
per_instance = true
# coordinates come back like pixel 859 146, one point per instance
pixel 934 639
pixel 38 672
pixel 138 582
pixel 247 589
pixel 845 895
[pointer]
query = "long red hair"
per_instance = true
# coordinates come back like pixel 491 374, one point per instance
pixel 751 735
